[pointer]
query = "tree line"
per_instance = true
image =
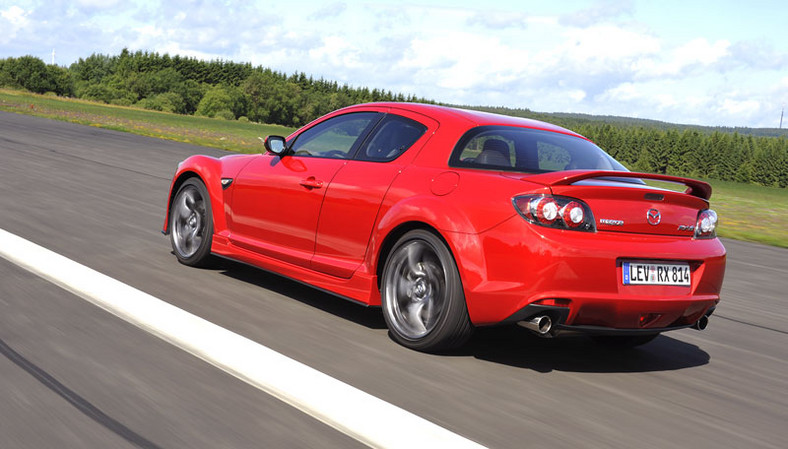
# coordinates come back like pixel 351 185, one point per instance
pixel 186 85
pixel 231 90
pixel 716 155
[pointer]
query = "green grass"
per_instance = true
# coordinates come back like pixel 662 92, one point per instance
pixel 226 134
pixel 747 212
pixel 750 212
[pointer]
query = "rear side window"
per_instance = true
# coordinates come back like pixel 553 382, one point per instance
pixel 528 150
pixel 392 137
pixel 552 157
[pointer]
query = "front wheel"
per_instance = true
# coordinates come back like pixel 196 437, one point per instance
pixel 191 224
pixel 423 301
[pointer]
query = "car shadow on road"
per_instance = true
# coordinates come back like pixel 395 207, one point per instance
pixel 507 345
pixel 369 317
pixel 518 347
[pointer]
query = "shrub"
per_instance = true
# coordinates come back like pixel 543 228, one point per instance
pixel 225 114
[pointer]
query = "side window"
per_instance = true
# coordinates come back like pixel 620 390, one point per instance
pixel 392 137
pixel 552 157
pixel 335 137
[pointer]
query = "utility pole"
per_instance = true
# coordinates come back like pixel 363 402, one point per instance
pixel 781 116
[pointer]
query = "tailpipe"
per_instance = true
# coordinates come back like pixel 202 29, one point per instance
pixel 541 325
pixel 702 323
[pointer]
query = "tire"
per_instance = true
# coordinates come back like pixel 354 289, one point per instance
pixel 623 341
pixel 421 292
pixel 191 224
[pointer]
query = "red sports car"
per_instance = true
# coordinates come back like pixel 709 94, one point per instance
pixel 451 219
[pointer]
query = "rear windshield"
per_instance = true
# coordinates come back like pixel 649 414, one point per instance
pixel 509 148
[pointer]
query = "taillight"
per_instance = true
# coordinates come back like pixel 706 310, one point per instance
pixel 546 210
pixel 706 226
pixel 555 212
pixel 573 214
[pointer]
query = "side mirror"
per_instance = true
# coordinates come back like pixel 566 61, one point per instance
pixel 276 145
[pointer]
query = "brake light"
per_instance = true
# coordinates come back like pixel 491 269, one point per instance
pixel 706 226
pixel 555 212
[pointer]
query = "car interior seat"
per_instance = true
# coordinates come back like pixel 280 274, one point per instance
pixel 495 152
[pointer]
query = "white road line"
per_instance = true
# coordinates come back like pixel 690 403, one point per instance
pixel 353 412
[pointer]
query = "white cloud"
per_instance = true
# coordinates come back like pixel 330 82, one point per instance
pixel 98 4
pixel 329 10
pixel 462 60
pixel 600 12
pixel 15 15
pixel 698 53
pixel 611 57
pixel 745 108
pixel 338 52
pixel 606 47
pixel 498 20
pixel 13 19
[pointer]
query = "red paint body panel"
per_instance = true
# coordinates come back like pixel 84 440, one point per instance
pixel 327 222
pixel 585 268
pixel 264 193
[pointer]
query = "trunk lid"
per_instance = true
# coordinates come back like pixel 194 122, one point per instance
pixel 621 203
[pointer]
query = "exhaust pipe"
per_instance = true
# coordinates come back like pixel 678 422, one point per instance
pixel 702 323
pixel 541 325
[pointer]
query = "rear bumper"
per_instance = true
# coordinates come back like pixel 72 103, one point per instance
pixel 583 271
pixel 558 316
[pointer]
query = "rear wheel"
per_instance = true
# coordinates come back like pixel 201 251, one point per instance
pixel 423 302
pixel 624 341
pixel 191 224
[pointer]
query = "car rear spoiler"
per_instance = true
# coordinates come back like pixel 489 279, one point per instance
pixel 695 188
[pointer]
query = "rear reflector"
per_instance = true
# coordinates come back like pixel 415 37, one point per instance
pixel 554 302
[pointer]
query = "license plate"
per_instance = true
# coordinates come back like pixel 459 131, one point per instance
pixel 637 273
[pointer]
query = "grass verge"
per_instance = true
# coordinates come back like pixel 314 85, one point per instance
pixel 747 212
pixel 226 134
pixel 751 212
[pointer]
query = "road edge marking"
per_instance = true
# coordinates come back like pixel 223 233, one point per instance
pixel 355 413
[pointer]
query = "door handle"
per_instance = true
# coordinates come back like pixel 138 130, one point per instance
pixel 311 183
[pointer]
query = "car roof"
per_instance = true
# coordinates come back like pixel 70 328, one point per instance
pixel 477 118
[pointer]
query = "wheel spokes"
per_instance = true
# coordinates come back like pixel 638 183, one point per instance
pixel 415 289
pixel 414 252
pixel 414 316
pixel 188 222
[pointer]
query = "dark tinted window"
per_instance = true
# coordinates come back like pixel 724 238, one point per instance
pixel 392 137
pixel 528 150
pixel 336 137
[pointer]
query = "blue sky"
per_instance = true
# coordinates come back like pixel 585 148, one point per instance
pixel 696 62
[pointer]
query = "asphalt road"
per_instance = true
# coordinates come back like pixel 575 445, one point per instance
pixel 72 375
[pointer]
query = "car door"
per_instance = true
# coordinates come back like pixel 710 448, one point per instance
pixel 353 198
pixel 276 200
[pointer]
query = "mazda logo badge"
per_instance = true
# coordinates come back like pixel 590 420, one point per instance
pixel 653 216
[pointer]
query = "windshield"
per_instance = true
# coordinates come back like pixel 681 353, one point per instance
pixel 528 150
